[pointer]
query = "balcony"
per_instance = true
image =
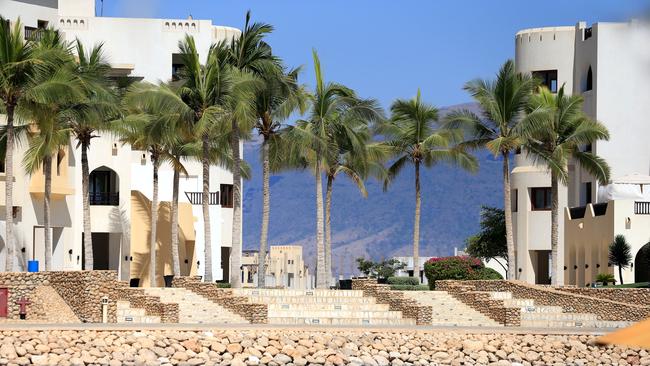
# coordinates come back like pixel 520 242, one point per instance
pixel 104 198
pixel 196 198
pixel 641 208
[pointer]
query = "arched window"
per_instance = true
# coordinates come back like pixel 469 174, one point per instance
pixel 590 80
pixel 104 187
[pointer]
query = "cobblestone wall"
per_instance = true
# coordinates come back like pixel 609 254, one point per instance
pixel 570 302
pixel 396 300
pixel 636 296
pixel 254 313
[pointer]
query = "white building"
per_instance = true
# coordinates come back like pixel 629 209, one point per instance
pixel 609 65
pixel 285 268
pixel 121 188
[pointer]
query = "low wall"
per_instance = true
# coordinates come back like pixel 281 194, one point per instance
pixel 254 313
pixel 83 291
pixel 636 296
pixel 395 300
pixel 570 302
pixel 482 302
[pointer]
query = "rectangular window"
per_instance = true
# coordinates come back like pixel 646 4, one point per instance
pixel 177 66
pixel 227 195
pixel 588 193
pixel 540 198
pixel 514 203
pixel 548 79
pixel 42 24
pixel 2 166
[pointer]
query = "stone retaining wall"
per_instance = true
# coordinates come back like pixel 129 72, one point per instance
pixel 636 296
pixel 83 292
pixel 575 303
pixel 397 301
pixel 253 312
pixel 482 302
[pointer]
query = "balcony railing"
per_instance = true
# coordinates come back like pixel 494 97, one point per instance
pixel 196 198
pixel 104 199
pixel 642 208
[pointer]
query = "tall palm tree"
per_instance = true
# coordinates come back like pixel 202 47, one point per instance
pixel 415 139
pixel 503 102
pixel 216 93
pixel 556 138
pixel 248 53
pixel 144 128
pixel 91 115
pixel 48 104
pixel 278 97
pixel 18 62
pixel 314 141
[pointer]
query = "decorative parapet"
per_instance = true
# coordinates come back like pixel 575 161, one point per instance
pixel 396 301
pixel 570 302
pixel 79 23
pixel 178 25
pixel 253 312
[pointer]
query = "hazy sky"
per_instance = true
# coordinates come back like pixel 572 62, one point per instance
pixel 389 49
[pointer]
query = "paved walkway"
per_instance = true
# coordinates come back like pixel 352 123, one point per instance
pixel 12 326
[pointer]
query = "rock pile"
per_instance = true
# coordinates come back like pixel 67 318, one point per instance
pixel 294 347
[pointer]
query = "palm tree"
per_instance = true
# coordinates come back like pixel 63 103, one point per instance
pixel 313 141
pixel 248 53
pixel 557 137
pixel 415 139
pixel 215 94
pixel 18 62
pixel 279 96
pixel 90 117
pixel 146 129
pixel 620 254
pixel 47 103
pixel 503 104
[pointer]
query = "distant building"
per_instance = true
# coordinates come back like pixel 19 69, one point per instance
pixel 608 65
pixel 285 267
pixel 409 269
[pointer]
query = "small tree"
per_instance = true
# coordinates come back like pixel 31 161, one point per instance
pixel 490 242
pixel 620 254
pixel 382 270
pixel 365 266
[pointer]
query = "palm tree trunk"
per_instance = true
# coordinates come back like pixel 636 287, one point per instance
pixel 47 170
pixel 205 201
pixel 9 184
pixel 235 254
pixel 85 192
pixel 176 264
pixel 554 230
pixel 620 274
pixel 266 209
pixel 321 281
pixel 416 225
pixel 328 229
pixel 510 242
pixel 154 222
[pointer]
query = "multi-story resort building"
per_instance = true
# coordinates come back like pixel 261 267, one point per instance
pixel 120 179
pixel 285 267
pixel 608 64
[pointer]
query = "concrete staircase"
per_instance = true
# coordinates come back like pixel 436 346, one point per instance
pixel 323 307
pixel 448 311
pixel 127 314
pixel 543 316
pixel 194 308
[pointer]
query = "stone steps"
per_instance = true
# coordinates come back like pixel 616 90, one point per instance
pixel 330 307
pixel 194 308
pixel 310 300
pixel 127 314
pixel 340 321
pixel 310 313
pixel 448 311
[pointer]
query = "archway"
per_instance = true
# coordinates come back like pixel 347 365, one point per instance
pixel 642 264
pixel 104 187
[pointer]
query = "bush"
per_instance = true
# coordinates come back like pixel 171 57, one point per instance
pixel 606 278
pixel 409 288
pixel 457 268
pixel 403 280
pixel 223 285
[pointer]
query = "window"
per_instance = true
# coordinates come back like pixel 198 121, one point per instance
pixel 590 80
pixel 548 79
pixel 59 159
pixel 514 203
pixel 588 148
pixel 588 33
pixel 588 193
pixel 540 198
pixel 42 24
pixel 177 66
pixel 518 150
pixel 2 166
pixel 227 195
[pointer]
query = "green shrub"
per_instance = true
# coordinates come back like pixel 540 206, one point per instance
pixel 457 268
pixel 403 280
pixel 409 288
pixel 223 285
pixel 488 274
pixel 606 278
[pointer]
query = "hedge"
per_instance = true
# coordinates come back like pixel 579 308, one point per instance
pixel 403 280
pixel 457 268
pixel 409 287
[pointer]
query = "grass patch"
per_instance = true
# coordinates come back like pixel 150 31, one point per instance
pixel 631 285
